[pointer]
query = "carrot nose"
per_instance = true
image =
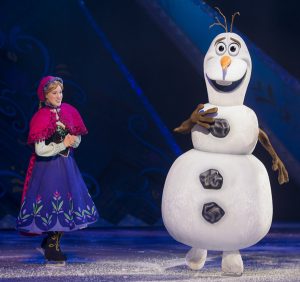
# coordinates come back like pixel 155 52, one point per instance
pixel 225 62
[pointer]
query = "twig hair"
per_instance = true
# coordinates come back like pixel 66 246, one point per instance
pixel 218 21
pixel 232 19
pixel 225 21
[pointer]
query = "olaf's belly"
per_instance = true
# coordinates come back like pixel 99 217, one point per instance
pixel 217 201
pixel 234 132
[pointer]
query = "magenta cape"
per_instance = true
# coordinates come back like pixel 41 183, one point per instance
pixel 43 123
pixel 43 126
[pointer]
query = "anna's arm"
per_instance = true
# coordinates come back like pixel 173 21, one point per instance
pixel 52 149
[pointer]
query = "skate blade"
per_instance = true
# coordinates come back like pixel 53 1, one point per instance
pixel 55 263
pixel 40 250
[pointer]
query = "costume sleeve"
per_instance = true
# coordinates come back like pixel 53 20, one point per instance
pixel 77 142
pixel 52 149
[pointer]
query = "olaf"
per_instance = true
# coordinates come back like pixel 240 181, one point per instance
pixel 217 196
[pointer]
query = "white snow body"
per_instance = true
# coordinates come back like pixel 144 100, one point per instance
pixel 245 195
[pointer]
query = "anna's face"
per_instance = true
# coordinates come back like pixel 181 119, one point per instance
pixel 54 97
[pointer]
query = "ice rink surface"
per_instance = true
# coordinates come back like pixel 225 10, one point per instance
pixel 145 255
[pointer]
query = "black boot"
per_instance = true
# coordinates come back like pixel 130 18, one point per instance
pixel 52 248
pixel 59 239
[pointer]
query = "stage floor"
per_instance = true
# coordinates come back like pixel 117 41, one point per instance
pixel 145 255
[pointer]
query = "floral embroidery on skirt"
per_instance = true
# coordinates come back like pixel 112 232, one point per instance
pixel 57 198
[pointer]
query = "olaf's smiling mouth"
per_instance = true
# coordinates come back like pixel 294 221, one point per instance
pixel 225 86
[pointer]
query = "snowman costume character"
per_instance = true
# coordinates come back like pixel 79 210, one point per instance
pixel 217 196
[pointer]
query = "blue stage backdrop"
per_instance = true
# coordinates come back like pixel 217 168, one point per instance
pixel 125 156
pixel 128 86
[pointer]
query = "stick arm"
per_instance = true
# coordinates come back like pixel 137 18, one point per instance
pixel 277 164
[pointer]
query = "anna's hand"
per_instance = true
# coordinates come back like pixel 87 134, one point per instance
pixel 69 140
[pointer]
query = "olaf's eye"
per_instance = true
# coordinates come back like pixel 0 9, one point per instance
pixel 220 48
pixel 233 49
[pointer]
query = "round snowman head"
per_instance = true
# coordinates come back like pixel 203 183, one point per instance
pixel 227 70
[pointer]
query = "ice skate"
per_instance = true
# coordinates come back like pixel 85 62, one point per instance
pixel 52 251
pixel 232 263
pixel 195 258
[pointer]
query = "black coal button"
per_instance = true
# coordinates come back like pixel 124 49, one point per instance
pixel 212 212
pixel 211 179
pixel 220 128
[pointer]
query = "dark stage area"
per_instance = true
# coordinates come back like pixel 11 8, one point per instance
pixel 148 254
pixel 135 70
pixel 133 84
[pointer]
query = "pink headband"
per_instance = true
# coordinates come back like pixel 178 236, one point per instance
pixel 45 82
